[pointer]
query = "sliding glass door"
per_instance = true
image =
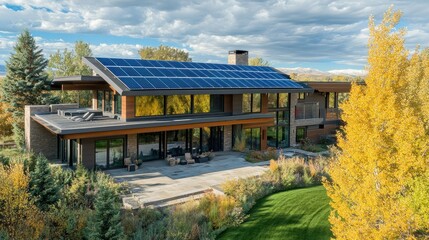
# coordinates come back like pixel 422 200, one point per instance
pixel 109 153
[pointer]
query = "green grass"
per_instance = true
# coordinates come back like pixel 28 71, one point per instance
pixel 295 214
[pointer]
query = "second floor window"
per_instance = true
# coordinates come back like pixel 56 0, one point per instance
pixel 251 103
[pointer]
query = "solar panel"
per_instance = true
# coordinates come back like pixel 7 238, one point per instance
pixel 139 74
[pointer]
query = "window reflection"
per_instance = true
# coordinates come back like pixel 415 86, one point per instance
pixel 179 104
pixel 149 106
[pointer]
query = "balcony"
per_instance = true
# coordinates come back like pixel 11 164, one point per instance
pixel 307 114
pixel 333 114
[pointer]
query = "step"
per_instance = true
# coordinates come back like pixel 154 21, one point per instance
pixel 176 199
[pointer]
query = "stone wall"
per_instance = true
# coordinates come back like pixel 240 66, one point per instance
pixel 292 133
pixel 37 138
pixel 132 145
pixel 227 138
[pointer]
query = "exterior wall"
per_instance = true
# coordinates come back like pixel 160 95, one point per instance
pixel 37 138
pixel 128 107
pixel 237 104
pixel 88 152
pixel 314 133
pixel 227 103
pixel 132 145
pixel 227 138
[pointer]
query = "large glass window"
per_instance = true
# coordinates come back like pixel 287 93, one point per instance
pixel 202 103
pixel 256 102
pixel 107 101
pixel 208 103
pixel 116 152
pixel 301 134
pixel 149 106
pixel 283 100
pixel 272 100
pixel 247 103
pixel 177 142
pixel 283 136
pixel 179 104
pixel 196 140
pixel 109 153
pixel 251 102
pixel 118 103
pixel 272 136
pixel 101 153
pixel 150 146
pixel 332 103
pixel 100 96
pixel 282 117
pixel 253 138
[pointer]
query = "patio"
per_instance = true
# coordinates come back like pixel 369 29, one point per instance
pixel 155 183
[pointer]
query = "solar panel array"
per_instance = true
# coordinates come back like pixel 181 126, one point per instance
pixel 150 74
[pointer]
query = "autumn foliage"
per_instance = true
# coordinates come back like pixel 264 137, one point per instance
pixel 382 157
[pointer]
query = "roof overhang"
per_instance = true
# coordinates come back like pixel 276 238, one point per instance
pixel 330 86
pixel 68 129
pixel 79 83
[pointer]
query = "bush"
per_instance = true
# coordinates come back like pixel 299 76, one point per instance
pixel 187 222
pixel 4 160
pixel 240 142
pixel 259 156
pixel 247 190
pixel 144 223
pixel 220 210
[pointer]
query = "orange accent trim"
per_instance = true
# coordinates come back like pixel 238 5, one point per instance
pixel 256 121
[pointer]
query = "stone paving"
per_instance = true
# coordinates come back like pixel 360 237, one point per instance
pixel 155 181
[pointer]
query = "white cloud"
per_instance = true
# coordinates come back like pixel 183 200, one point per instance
pixel 282 31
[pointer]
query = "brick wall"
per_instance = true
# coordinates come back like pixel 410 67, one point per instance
pixel 37 138
pixel 132 145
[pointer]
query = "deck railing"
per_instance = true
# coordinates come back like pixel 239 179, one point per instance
pixel 307 110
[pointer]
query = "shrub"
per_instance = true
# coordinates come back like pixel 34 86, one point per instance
pixel 219 210
pixel 258 156
pixel 62 222
pixel 4 160
pixel 247 190
pixel 187 222
pixel 144 223
pixel 240 142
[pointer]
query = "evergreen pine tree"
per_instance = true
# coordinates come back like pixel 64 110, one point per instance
pixel 106 221
pixel 25 83
pixel 42 184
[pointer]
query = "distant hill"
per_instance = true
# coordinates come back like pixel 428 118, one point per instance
pixel 309 74
pixel 2 70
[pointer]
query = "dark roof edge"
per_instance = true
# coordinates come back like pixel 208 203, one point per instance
pixel 105 74
pixel 214 91
pixel 83 78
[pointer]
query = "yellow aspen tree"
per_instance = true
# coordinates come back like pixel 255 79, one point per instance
pixel 383 145
pixel 19 217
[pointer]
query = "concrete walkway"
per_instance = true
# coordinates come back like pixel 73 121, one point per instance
pixel 155 181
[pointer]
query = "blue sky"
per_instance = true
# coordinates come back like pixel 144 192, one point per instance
pixel 320 34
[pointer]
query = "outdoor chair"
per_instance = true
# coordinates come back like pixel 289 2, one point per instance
pixel 77 117
pixel 128 163
pixel 89 118
pixel 189 158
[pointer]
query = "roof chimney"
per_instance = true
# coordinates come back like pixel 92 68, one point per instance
pixel 238 57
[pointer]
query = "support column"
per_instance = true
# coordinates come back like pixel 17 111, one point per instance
pixel 227 138
pixel 292 133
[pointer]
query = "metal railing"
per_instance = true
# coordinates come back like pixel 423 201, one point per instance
pixel 307 111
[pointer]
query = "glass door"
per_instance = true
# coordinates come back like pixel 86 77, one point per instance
pixel 109 153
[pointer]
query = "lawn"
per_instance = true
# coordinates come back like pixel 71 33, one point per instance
pixel 295 214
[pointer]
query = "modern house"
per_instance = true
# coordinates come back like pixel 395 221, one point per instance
pixel 150 109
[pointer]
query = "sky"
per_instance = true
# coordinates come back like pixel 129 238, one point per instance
pixel 319 34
